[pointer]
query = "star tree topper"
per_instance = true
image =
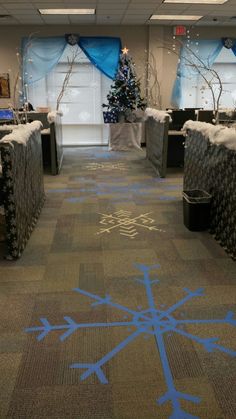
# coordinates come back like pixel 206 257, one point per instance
pixel 125 50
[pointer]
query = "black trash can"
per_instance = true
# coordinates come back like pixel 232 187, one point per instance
pixel 196 208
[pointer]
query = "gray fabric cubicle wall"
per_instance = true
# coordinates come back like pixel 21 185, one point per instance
pixel 157 144
pixel 23 191
pixel 213 169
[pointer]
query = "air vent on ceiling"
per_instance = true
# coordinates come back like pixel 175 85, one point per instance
pixel 5 16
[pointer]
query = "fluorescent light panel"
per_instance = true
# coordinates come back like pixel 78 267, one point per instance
pixel 174 17
pixel 67 11
pixel 196 1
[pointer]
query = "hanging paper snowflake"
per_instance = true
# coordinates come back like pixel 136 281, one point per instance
pixel 72 39
pixel 228 43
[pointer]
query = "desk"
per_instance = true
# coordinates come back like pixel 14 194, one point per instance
pixel 125 136
pixel 175 153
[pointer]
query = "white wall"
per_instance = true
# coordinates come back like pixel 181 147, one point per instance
pixel 133 37
pixel 139 39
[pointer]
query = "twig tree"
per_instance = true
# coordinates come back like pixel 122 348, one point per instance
pixel 19 86
pixel 154 97
pixel 197 66
pixel 210 76
pixel 71 60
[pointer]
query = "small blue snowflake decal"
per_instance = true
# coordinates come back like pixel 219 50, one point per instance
pixel 148 322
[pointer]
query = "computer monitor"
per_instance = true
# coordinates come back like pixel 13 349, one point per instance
pixel 6 114
pixel 179 117
pixel 205 115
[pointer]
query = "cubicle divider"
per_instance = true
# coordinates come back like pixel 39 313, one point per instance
pixel 157 144
pixel 51 140
pixel 22 190
pixel 213 168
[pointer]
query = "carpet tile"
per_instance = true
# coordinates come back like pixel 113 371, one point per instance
pixel 116 325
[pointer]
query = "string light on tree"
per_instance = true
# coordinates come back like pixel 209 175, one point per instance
pixel 124 96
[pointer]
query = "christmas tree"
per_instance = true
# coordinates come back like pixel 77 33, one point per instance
pixel 124 96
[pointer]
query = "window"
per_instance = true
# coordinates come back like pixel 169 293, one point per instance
pixel 81 104
pixel 197 94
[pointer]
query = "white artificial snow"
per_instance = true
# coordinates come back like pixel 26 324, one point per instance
pixel 217 134
pixel 22 132
pixel 51 117
pixel 157 115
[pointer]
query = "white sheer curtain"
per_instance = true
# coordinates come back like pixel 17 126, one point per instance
pixel 81 103
pixel 196 94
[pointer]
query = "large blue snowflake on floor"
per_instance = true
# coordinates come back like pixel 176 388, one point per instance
pixel 150 321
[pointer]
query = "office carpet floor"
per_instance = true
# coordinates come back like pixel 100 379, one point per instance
pixel 116 310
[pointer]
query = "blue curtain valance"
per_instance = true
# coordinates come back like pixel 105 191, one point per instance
pixel 42 54
pixel 103 52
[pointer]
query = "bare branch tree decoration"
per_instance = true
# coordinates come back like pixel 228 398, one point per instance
pixel 209 75
pixel 154 97
pixel 192 60
pixel 71 61
pixel 20 87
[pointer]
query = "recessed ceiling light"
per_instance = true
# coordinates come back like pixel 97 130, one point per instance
pixel 67 11
pixel 197 1
pixel 174 17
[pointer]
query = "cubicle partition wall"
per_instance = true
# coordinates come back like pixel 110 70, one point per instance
pixel 157 144
pixel 56 145
pixel 51 140
pixel 22 190
pixel 213 168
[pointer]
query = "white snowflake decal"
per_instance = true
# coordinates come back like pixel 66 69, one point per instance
pixel 151 321
pixel 126 224
pixel 106 166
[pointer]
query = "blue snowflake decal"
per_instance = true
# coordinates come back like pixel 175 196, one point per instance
pixel 151 321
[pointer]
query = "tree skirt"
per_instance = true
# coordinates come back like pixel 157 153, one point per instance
pixel 126 136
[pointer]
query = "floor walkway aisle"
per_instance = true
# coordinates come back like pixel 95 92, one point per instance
pixel 116 310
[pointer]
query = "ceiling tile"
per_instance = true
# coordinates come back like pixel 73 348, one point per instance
pixel 18 6
pixel 128 11
pixel 114 7
pixel 113 2
pixel 55 19
pixel 29 21
pixel 82 18
pixel 24 12
pixel 108 21
pixel 49 5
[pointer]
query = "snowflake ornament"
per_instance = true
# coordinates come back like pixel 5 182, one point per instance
pixel 151 321
pixel 72 39
pixel 228 43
